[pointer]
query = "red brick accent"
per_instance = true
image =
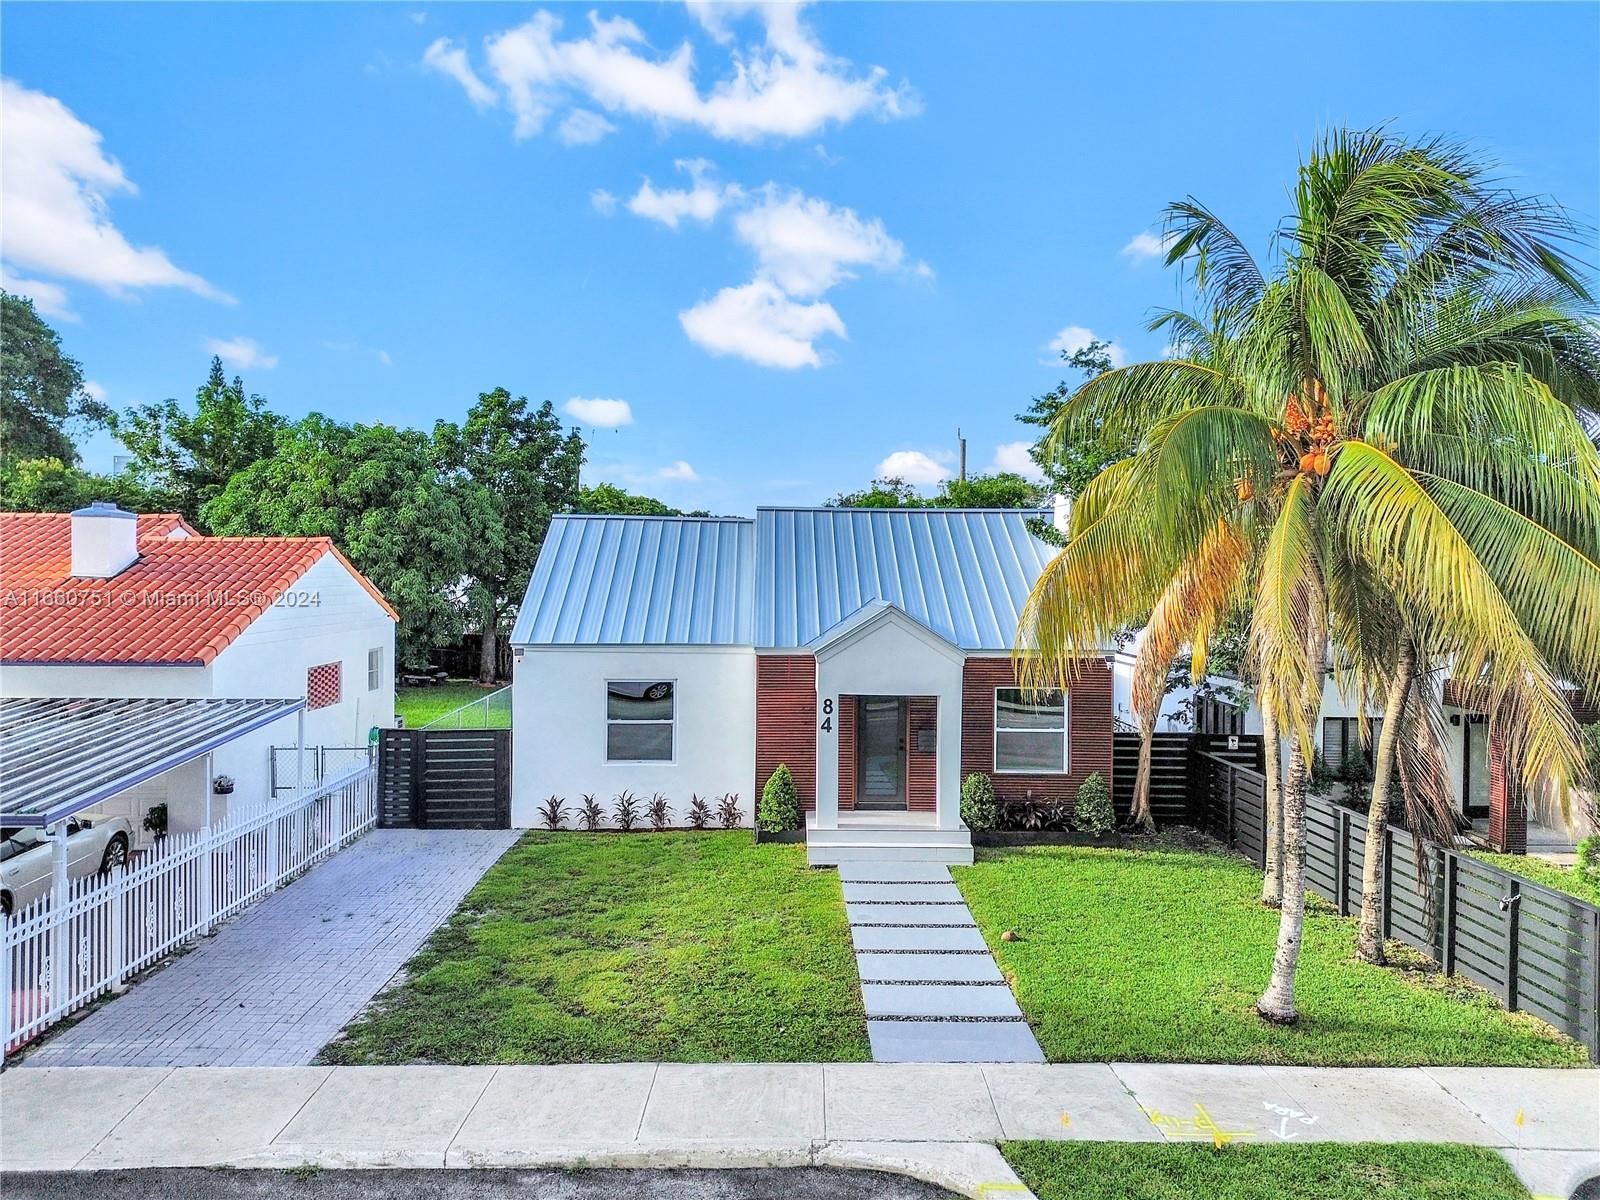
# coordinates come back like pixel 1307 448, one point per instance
pixel 1089 730
pixel 921 766
pixel 786 721
pixel 847 752
pixel 1508 810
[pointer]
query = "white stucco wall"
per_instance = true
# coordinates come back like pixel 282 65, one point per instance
pixel 559 726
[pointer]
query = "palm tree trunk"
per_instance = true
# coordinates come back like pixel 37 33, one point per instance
pixel 1272 756
pixel 1139 810
pixel 1277 1002
pixel 1369 939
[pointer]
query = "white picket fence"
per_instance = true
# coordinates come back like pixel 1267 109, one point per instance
pixel 54 961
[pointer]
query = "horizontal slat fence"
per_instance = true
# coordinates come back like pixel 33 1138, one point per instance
pixel 445 778
pixel 53 961
pixel 1169 775
pixel 1535 948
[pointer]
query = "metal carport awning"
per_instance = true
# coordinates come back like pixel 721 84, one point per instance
pixel 61 756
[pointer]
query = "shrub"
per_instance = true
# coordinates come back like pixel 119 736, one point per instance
pixel 1587 868
pixel 590 813
pixel 780 806
pixel 625 810
pixel 729 815
pixel 553 812
pixel 699 812
pixel 1093 813
pixel 977 803
pixel 1031 815
pixel 660 812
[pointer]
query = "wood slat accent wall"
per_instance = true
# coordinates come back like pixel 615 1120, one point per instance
pixel 1089 730
pixel 848 707
pixel 786 722
pixel 921 766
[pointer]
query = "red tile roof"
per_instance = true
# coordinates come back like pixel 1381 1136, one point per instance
pixel 182 602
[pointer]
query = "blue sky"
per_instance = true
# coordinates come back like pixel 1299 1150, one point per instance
pixel 864 225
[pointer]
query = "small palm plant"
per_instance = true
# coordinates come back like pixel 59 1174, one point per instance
pixel 625 810
pixel 553 812
pixel 659 812
pixel 699 812
pixel 590 813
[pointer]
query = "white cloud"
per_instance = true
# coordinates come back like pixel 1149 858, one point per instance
pixel 784 85
pixel 1146 246
pixel 584 128
pixel 1075 337
pixel 603 201
pixel 56 187
pixel 760 323
pixel 94 391
pixel 602 414
pixel 1013 457
pixel 913 466
pixel 383 357
pixel 49 298
pixel 702 201
pixel 419 18
pixel 679 470
pixel 241 352
pixel 447 58
pixel 806 245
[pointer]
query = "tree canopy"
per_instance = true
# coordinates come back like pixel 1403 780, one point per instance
pixel 999 490
pixel 44 396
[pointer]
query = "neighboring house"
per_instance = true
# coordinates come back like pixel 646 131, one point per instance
pixel 101 604
pixel 869 650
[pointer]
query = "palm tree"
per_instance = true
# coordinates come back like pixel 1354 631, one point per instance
pixel 1386 419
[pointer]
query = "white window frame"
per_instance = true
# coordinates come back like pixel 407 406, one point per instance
pixel 1066 731
pixel 374 668
pixel 605 732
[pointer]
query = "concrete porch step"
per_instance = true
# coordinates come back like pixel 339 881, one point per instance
pixel 887 835
pixel 834 854
pixel 898 873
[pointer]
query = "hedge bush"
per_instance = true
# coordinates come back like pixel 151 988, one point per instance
pixel 779 809
pixel 978 808
pixel 1092 812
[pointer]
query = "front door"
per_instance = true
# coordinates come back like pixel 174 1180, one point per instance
pixel 881 753
pixel 1475 767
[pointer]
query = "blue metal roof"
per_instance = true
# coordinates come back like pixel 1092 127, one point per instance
pixel 634 580
pixel 782 580
pixel 964 573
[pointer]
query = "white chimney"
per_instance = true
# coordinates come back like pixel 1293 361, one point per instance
pixel 105 541
pixel 1061 512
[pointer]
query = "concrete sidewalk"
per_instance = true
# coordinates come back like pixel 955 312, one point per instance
pixel 936 1122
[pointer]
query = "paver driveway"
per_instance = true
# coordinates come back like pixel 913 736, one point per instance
pixel 280 980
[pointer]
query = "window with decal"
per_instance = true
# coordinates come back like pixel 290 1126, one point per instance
pixel 1030 731
pixel 639 720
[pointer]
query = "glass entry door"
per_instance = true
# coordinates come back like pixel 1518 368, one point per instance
pixel 881 752
pixel 1475 768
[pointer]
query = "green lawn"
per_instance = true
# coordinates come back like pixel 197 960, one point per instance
pixel 1159 954
pixel 685 947
pixel 1562 879
pixel 1306 1171
pixel 419 705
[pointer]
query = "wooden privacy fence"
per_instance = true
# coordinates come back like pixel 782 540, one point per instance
pixel 445 778
pixel 1535 948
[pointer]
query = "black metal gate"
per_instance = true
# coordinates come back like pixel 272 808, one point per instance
pixel 445 778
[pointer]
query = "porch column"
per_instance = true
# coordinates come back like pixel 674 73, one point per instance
pixel 826 815
pixel 947 764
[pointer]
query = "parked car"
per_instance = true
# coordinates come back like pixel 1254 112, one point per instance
pixel 95 843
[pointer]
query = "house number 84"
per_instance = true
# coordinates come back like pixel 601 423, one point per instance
pixel 827 715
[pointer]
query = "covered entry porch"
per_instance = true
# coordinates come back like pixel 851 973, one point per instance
pixel 888 756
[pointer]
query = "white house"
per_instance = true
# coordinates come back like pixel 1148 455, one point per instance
pixel 99 603
pixel 868 650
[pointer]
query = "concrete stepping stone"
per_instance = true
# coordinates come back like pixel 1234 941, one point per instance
pixel 928 968
pixel 953 1041
pixel 908 914
pixel 959 937
pixel 895 872
pixel 939 1000
pixel 915 893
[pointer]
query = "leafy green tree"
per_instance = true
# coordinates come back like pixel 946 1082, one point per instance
pixel 379 493
pixel 1000 490
pixel 527 466
pixel 44 395
pixel 609 498
pixel 1072 460
pixel 890 492
pixel 50 485
pixel 194 455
